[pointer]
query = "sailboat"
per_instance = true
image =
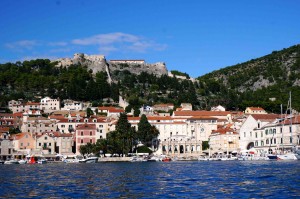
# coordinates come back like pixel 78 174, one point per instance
pixel 291 155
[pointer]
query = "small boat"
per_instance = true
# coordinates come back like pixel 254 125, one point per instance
pixel 1 161
pixel 12 161
pixel 89 160
pixel 288 156
pixel 70 159
pixel 31 160
pixel 272 157
pixel 166 159
pixel 22 162
pixel 42 161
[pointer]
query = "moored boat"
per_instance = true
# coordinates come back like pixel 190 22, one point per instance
pixel 89 160
pixel 12 161
pixel 287 156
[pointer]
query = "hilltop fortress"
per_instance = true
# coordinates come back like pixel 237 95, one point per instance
pixel 98 63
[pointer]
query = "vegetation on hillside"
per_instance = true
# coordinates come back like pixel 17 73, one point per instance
pixel 264 82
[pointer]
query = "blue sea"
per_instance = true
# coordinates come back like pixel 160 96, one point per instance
pixel 214 179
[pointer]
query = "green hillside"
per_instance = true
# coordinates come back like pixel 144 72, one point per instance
pixel 265 82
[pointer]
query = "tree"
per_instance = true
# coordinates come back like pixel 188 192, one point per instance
pixel 89 112
pixel 146 133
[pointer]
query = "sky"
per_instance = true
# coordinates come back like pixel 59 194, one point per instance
pixel 193 36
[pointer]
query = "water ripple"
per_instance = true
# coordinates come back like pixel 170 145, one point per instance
pixel 230 179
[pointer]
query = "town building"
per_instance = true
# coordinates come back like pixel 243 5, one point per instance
pixel 49 105
pixel 85 133
pixel 6 146
pixel 224 140
pixel 255 110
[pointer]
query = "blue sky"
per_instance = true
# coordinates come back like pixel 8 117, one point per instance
pixel 191 36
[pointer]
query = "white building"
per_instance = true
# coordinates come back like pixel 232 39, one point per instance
pixel 50 105
pixel 254 122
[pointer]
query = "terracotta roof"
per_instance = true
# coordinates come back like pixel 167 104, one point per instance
pixel 223 131
pixel 4 129
pixel 86 126
pixel 58 134
pixel 202 118
pixel 201 113
pixel 19 136
pixel 265 116
pixel 19 114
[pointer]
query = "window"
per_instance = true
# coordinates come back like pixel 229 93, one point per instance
pixel 21 144
pixel 262 143
pixel 280 140
pixel 28 125
pixel 9 151
pixel 266 131
pixel 81 140
pixel 244 134
pixel 101 137
pixel 290 129
pixel 91 141
pixel 49 144
pixel 46 137
pixel 267 141
pixel 100 131
pixel 280 129
pixel 40 144
pixel 81 133
pixel 256 143
pixel 91 133
pixel 250 134
pixel 28 144
pixel 100 126
pixel 256 135
pixel 261 134
pixel 274 140
pixel 274 131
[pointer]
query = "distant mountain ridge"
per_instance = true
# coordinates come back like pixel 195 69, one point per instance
pixel 262 72
pixel 265 81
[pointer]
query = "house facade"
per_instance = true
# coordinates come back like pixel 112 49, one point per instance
pixel 50 105
pixel 85 133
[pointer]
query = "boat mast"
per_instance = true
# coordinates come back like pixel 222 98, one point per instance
pixel 282 125
pixel 291 138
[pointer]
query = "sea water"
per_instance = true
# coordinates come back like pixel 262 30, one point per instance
pixel 211 179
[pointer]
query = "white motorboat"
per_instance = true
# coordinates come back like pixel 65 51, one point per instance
pixel 287 156
pixel 89 160
pixel 12 161
pixel 70 159
pixel 22 161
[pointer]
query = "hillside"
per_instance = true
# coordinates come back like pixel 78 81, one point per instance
pixel 265 81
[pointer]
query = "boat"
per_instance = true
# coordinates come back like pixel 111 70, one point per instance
pixel 12 161
pixel 70 159
pixel 287 156
pixel 42 161
pixel 166 159
pixel 22 161
pixel 272 157
pixel 1 161
pixel 203 158
pixel 89 160
pixel 31 160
